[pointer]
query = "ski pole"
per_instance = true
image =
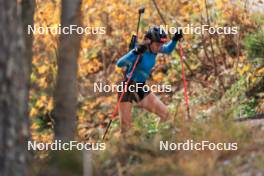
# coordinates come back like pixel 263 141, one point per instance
pixel 184 83
pixel 114 114
pixel 131 46
pixel 140 11
pixel 182 63
pixel 134 37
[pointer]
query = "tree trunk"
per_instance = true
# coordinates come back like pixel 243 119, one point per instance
pixel 66 88
pixel 14 88
pixel 87 163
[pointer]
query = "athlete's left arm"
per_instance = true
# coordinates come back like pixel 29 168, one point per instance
pixel 168 47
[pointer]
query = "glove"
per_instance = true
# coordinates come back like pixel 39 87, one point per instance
pixel 178 35
pixel 140 49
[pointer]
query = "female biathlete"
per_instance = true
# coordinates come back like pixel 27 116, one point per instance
pixel 153 43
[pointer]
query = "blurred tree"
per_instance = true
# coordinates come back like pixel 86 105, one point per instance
pixel 66 88
pixel 15 59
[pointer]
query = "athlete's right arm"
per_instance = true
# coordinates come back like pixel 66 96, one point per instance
pixel 127 59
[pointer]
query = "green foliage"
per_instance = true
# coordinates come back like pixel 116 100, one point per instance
pixel 254 44
pixel 248 109
pixel 43 123
pixel 241 104
pixel 146 122
pixel 237 89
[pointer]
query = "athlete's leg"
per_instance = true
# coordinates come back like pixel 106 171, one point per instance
pixel 125 116
pixel 153 104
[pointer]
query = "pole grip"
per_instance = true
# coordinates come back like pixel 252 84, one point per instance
pixel 133 42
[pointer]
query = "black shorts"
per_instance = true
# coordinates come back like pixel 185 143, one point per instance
pixel 135 92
